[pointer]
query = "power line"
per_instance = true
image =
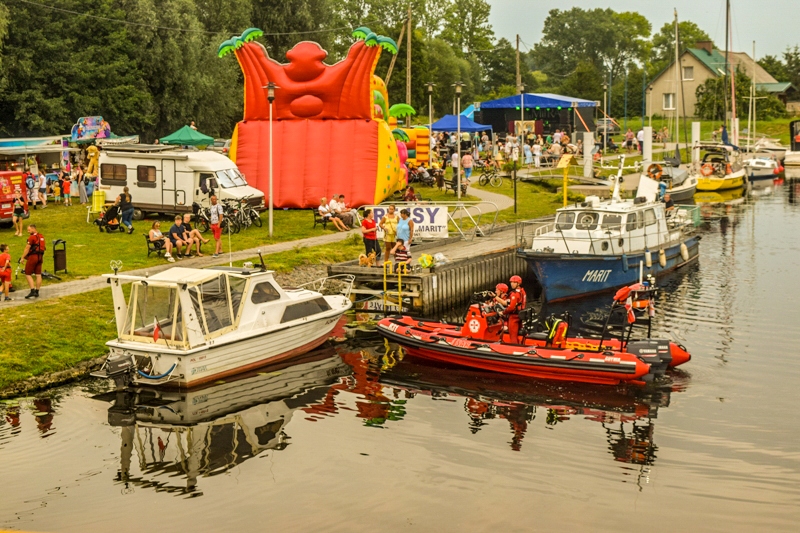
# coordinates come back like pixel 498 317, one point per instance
pixel 188 30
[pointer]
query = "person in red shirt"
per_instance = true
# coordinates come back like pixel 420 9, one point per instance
pixel 5 271
pixel 34 258
pixel 369 229
pixel 517 299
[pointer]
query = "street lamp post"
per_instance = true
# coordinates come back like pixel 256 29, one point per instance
pixel 270 87
pixel 650 106
pixel 521 115
pixel 430 85
pixel 458 86
pixel 605 117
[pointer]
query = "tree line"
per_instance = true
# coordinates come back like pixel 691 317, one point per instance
pixel 150 66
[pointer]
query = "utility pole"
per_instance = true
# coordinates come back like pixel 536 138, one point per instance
pixel 519 76
pixel 408 66
pixel 394 56
pixel 521 103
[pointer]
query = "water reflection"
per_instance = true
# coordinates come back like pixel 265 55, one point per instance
pixel 208 431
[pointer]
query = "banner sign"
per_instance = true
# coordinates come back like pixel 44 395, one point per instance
pixel 430 221
pixel 91 128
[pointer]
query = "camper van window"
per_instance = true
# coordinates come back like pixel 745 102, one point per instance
pixel 264 292
pixel 225 181
pixel 145 176
pixel 237 177
pixel 649 217
pixel 113 174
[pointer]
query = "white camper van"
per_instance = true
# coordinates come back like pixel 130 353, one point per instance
pixel 166 180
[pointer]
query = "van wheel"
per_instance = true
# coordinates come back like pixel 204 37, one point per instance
pixel 138 214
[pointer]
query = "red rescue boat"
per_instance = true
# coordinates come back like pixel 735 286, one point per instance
pixel 481 342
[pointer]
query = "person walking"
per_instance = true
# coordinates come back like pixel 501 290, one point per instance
pixel 33 255
pixel 629 141
pixel 81 179
pixel 42 184
pixel 389 226
pixel 5 271
pixel 405 227
pixel 216 217
pixel 369 231
pixel 126 208
pixel 466 163
pixel 19 213
pixel 640 139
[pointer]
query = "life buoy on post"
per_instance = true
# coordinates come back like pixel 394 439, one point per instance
pixel 655 171
pixel 707 169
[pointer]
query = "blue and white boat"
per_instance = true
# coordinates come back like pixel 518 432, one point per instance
pixel 597 246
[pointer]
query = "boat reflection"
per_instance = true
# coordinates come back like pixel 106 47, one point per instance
pixel 204 432
pixel 626 414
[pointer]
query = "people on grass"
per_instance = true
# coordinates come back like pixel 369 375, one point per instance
pixel 325 212
pixel 126 209
pixel 5 271
pixel 33 255
pixel 19 213
pixel 160 241
pixel 176 238
pixel 193 234
pixel 216 216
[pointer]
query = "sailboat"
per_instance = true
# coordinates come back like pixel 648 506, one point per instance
pixel 764 155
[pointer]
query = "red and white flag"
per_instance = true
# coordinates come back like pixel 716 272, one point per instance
pixel 156 330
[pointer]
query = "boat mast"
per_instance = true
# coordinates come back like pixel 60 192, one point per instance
pixel 725 84
pixel 753 97
pixel 734 138
pixel 677 81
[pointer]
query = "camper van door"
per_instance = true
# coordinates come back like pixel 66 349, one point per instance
pixel 168 182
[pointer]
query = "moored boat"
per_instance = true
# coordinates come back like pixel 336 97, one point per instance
pixel 679 184
pixel 596 246
pixel 482 343
pixel 185 326
pixel 720 170
pixel 762 167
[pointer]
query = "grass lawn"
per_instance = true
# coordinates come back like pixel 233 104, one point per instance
pixel 534 199
pixel 89 251
pixel 777 128
pixel 57 334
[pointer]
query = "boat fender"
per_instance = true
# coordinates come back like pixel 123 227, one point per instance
pixel 648 259
pixel 684 251
pixel 662 258
pixel 624 262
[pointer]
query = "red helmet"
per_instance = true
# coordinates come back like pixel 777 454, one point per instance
pixel 515 279
pixel 501 287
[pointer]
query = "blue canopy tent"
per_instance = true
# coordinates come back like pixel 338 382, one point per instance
pixel 450 123
pixel 548 111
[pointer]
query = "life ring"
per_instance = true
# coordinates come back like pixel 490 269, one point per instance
pixel 655 171
pixel 728 169
pixel 707 169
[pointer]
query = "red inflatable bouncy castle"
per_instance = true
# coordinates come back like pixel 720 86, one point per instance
pixel 328 137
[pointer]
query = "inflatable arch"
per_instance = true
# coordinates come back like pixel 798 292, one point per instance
pixel 329 122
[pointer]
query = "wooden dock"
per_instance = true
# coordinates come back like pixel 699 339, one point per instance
pixel 472 266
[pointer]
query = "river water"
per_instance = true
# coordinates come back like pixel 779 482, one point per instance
pixel 363 439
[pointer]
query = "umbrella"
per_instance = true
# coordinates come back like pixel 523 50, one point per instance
pixel 187 136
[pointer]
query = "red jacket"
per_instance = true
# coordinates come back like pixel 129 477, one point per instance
pixel 516 301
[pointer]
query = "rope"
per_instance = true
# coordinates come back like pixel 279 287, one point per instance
pixel 160 376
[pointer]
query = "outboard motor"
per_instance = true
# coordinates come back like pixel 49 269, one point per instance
pixel 654 352
pixel 119 368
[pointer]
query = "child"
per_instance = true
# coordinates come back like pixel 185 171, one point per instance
pixel 5 271
pixel 402 256
pixel 58 186
pixel 65 189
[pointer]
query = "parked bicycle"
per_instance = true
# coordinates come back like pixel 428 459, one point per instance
pixel 202 217
pixel 490 175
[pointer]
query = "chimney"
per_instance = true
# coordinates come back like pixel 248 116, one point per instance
pixel 708 46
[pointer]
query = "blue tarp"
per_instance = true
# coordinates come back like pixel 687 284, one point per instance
pixel 533 100
pixel 449 123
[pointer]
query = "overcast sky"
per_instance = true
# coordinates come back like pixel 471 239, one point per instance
pixel 773 24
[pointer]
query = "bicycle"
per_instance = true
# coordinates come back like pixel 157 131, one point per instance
pixel 490 175
pixel 203 220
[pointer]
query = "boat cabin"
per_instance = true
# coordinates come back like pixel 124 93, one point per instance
pixel 720 161
pixel 186 308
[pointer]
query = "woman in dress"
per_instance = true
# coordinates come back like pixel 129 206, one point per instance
pixel 81 179
pixel 389 226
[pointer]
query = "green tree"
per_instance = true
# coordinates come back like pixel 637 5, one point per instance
pixel 791 58
pixel 775 67
pixel 467 27
pixel 606 39
pixel 663 42
pixel 711 99
pixel 586 82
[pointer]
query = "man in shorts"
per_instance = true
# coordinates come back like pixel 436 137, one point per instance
pixel 216 216
pixel 34 258
pixel 176 238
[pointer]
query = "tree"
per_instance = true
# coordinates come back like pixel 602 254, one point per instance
pixel 663 42
pixel 775 67
pixel 467 27
pixel 586 82
pixel 711 99
pixel 791 58
pixel 603 37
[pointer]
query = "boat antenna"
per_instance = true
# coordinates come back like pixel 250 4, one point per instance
pixel 263 266
pixel 615 197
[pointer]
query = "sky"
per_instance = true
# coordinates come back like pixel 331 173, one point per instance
pixel 760 20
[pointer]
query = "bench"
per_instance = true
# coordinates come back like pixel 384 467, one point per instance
pixel 452 185
pixel 319 219
pixel 152 248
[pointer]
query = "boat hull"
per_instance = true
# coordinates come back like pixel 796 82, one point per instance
pixel 714 183
pixel 566 276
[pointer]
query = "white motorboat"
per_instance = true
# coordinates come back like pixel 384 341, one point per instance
pixel 679 184
pixel 792 157
pixel 762 167
pixel 187 326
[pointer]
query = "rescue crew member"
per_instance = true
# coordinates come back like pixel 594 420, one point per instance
pixel 34 258
pixel 517 300
pixel 501 294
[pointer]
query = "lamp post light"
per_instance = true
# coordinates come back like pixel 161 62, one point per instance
pixel 605 117
pixel 458 86
pixel 521 115
pixel 430 85
pixel 270 87
pixel 650 106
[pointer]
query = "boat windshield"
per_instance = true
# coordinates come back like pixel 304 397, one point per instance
pixel 587 220
pixel 155 313
pixel 211 300
pixel 612 222
pixel 230 178
pixel 565 221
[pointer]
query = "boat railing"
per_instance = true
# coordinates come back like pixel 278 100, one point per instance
pixel 336 284
pixel 526 230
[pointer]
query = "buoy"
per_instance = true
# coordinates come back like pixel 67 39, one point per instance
pixel 684 252
pixel 662 258
pixel 648 259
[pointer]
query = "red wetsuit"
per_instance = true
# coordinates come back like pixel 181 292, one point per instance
pixel 516 303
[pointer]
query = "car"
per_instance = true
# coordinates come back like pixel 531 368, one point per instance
pixel 222 146
pixel 607 125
